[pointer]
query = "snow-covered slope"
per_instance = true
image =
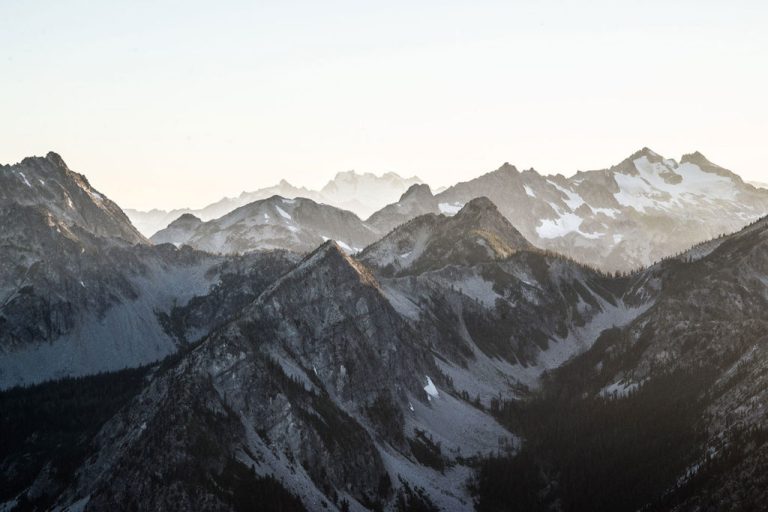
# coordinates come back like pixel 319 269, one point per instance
pixel 276 223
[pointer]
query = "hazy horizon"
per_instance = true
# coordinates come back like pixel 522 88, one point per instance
pixel 151 98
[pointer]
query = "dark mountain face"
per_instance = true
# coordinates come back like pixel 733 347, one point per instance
pixel 674 399
pixel 77 307
pixel 319 381
pixel 453 365
pixel 298 225
pixel 80 290
pixel 351 387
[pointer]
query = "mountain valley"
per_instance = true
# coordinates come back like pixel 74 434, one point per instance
pixel 446 353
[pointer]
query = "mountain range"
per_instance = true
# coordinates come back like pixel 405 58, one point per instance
pixel 361 193
pixel 623 218
pixel 436 356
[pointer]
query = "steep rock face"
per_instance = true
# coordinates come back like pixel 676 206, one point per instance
pixel 477 233
pixel 241 279
pixel 95 308
pixel 705 334
pixel 498 326
pixel 298 225
pixel 47 184
pixel 88 307
pixel 80 290
pixel 709 309
pixel 498 311
pixel 319 382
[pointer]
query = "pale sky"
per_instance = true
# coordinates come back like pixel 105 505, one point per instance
pixel 170 104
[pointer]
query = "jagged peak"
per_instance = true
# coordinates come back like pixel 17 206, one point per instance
pixel 50 159
pixel 56 160
pixel 507 167
pixel 646 152
pixel 627 166
pixel 482 213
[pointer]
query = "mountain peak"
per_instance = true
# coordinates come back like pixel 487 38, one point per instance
pixel 697 158
pixel 478 233
pixel 478 204
pixel 507 167
pixel 56 160
pixel 481 216
pixel 186 218
pixel 646 152
pixel 330 257
pixel 417 191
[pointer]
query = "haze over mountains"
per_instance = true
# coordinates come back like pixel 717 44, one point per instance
pixel 362 194
pixel 643 209
pixel 425 358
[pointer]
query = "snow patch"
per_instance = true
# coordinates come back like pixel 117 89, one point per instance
pixel 649 189
pixel 450 208
pixel 347 248
pixel 431 389
pixel 619 389
pixel 283 213
pixel 573 200
pixel 555 228
pixel 610 212
pixel 561 226
pixel 24 179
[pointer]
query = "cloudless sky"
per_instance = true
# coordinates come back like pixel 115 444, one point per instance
pixel 170 104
